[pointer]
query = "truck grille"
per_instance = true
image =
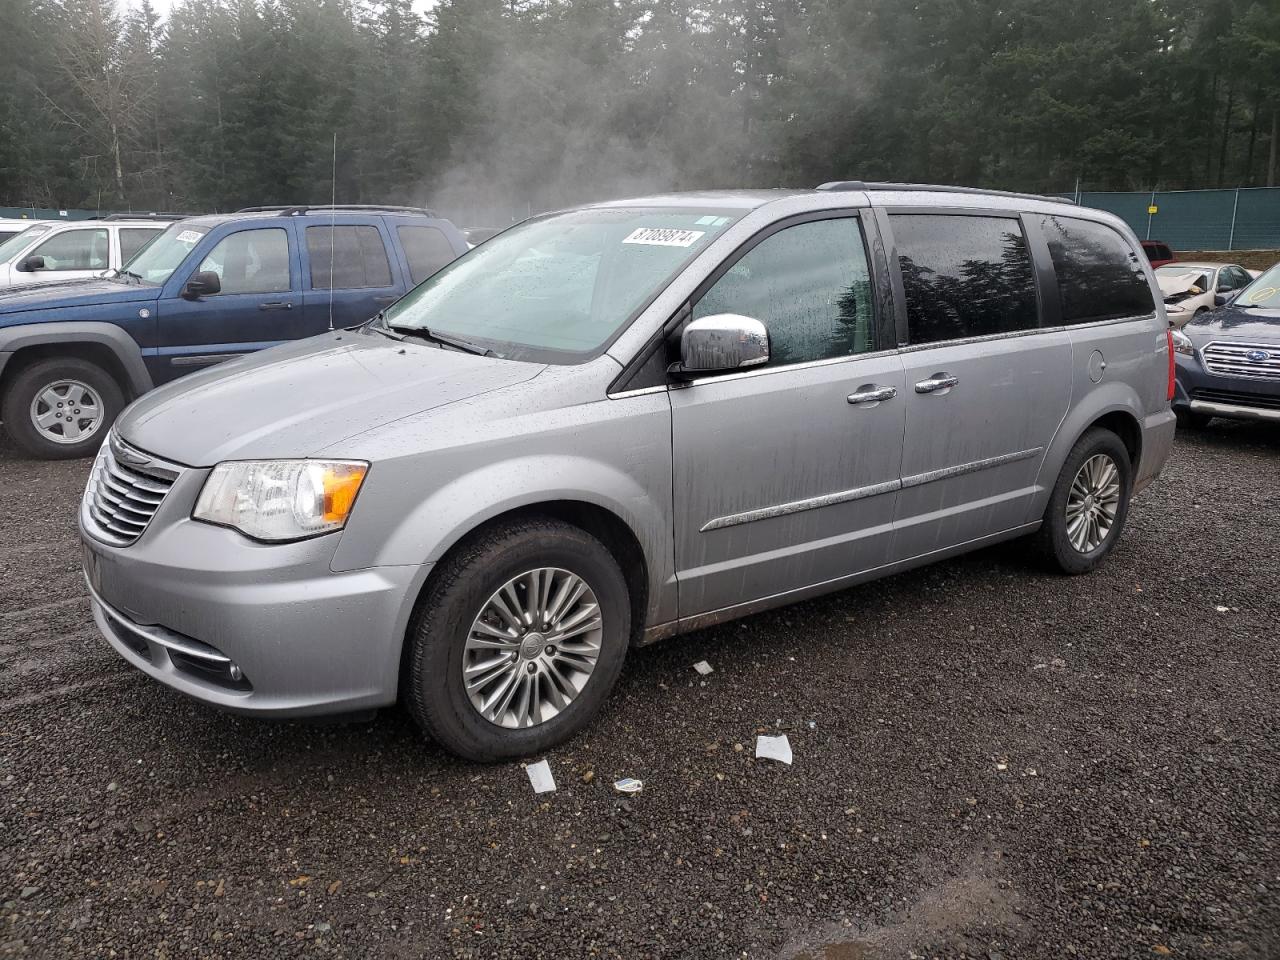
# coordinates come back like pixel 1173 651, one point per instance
pixel 1233 359
pixel 125 489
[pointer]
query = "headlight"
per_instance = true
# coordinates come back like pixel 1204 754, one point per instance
pixel 281 499
pixel 1182 344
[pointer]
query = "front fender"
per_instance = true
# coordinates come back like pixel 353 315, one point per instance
pixel 123 347
pixel 435 524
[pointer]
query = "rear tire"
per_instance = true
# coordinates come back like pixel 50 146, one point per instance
pixel 1089 504
pixel 1188 420
pixel 543 709
pixel 61 408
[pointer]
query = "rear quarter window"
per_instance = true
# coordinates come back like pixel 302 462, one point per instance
pixel 1100 277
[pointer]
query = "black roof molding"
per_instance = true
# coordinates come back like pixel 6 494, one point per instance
pixel 295 210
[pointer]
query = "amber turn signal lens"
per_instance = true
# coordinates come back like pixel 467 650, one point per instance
pixel 341 484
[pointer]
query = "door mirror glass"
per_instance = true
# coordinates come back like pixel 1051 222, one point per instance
pixel 1222 299
pixel 203 284
pixel 31 264
pixel 724 341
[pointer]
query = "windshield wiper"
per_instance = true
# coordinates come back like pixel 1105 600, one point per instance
pixel 456 342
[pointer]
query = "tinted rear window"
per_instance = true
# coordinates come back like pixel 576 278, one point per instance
pixel 964 276
pixel 1099 276
pixel 359 257
pixel 426 249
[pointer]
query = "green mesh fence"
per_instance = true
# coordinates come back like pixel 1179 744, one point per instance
pixel 1244 219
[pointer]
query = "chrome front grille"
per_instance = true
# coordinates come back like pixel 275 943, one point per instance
pixel 125 489
pixel 1261 360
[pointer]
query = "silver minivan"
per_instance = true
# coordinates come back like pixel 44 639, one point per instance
pixel 621 422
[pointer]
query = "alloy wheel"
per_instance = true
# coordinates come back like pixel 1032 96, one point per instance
pixel 1093 503
pixel 67 411
pixel 532 648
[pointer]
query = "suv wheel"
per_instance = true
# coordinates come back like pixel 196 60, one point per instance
pixel 1089 504
pixel 518 641
pixel 60 409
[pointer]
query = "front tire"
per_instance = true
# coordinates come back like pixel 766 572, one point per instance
pixel 61 408
pixel 1089 505
pixel 518 641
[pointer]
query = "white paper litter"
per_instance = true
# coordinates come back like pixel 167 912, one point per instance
pixel 540 776
pixel 628 785
pixel 702 667
pixel 773 748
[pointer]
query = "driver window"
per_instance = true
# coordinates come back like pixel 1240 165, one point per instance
pixel 810 286
pixel 74 250
pixel 251 261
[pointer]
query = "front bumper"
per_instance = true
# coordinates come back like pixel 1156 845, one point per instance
pixel 187 601
pixel 1198 390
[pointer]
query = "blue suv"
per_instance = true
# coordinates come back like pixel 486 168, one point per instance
pixel 207 289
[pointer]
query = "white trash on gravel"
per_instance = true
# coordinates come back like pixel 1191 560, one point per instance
pixel 702 667
pixel 773 748
pixel 628 785
pixel 540 776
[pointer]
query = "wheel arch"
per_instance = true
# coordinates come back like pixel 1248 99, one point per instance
pixel 103 344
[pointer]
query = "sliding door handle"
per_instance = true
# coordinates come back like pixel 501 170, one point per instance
pixel 385 300
pixel 873 394
pixel 940 381
pixel 276 305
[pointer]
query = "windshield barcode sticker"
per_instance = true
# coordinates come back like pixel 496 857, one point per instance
pixel 662 237
pixel 188 236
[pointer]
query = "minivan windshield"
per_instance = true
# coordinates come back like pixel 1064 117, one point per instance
pixel 1263 293
pixel 159 258
pixel 558 288
pixel 17 243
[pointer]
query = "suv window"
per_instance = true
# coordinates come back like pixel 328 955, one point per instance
pixel 810 286
pixel 427 250
pixel 74 250
pixel 134 239
pixel 964 276
pixel 359 257
pixel 1099 277
pixel 251 261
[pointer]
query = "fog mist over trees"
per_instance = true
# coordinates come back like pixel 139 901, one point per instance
pixel 494 109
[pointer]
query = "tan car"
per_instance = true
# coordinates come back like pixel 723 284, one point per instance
pixel 1191 289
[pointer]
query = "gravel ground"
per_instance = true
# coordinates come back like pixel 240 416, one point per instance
pixel 1001 763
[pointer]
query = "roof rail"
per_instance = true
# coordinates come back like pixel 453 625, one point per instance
pixel 148 216
pixel 937 188
pixel 295 210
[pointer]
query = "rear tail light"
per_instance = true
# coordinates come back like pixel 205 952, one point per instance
pixel 1168 334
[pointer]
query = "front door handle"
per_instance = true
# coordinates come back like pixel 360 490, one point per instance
pixel 941 381
pixel 873 394
pixel 276 305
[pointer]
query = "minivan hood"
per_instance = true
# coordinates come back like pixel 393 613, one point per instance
pixel 72 293
pixel 1235 323
pixel 295 399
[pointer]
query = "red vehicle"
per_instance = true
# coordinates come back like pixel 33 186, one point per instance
pixel 1158 253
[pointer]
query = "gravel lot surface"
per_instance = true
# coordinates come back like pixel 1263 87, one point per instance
pixel 1001 763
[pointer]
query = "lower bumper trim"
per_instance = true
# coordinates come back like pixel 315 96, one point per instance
pixel 1234 411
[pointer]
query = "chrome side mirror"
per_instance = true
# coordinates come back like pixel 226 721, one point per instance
pixel 725 341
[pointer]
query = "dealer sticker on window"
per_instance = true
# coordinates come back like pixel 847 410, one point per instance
pixel 663 237
pixel 188 236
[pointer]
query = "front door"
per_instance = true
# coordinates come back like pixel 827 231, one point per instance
pixel 986 388
pixel 785 476
pixel 347 275
pixel 68 255
pixel 257 306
